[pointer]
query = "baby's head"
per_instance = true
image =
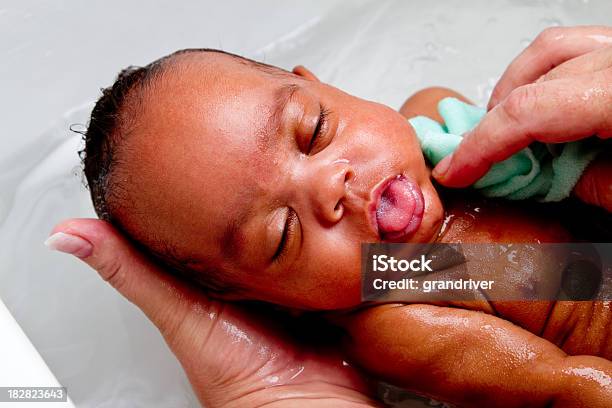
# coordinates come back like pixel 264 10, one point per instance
pixel 257 182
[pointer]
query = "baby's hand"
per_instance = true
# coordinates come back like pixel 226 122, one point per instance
pixel 595 185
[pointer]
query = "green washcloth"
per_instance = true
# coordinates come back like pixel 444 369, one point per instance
pixel 544 172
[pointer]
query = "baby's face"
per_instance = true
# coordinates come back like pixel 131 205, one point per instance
pixel 273 178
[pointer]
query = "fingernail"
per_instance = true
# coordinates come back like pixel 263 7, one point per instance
pixel 70 244
pixel 442 167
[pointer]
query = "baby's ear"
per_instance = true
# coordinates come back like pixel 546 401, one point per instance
pixel 305 72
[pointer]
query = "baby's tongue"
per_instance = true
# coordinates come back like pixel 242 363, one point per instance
pixel 396 206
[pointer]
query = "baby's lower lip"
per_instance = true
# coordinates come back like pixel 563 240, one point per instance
pixel 399 209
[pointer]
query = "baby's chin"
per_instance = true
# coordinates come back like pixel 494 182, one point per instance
pixel 433 214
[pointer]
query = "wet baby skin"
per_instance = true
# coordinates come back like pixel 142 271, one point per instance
pixel 502 354
pixel 263 180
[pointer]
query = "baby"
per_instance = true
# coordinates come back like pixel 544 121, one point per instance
pixel 261 184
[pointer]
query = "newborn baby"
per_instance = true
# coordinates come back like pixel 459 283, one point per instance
pixel 261 184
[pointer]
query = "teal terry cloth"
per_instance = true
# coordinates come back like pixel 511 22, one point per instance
pixel 541 171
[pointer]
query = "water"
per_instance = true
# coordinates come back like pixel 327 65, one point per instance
pixel 99 345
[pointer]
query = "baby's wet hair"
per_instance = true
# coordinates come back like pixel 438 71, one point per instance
pixel 112 119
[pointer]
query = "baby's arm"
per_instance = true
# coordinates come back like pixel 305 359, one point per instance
pixel 425 102
pixel 472 359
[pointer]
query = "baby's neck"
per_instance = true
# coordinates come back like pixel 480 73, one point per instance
pixel 475 219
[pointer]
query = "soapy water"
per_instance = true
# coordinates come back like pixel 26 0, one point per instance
pixel 100 346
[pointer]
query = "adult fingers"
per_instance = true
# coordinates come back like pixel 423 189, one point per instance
pixel 555 111
pixel 597 60
pixel 551 47
pixel 164 299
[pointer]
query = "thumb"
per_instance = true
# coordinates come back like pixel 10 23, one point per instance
pixel 164 299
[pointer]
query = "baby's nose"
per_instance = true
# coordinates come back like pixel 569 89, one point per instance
pixel 328 189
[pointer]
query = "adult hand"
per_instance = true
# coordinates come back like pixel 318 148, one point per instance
pixel 559 89
pixel 232 356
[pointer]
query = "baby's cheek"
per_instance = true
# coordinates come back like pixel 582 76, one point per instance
pixel 335 273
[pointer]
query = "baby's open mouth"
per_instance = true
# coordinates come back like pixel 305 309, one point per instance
pixel 398 209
